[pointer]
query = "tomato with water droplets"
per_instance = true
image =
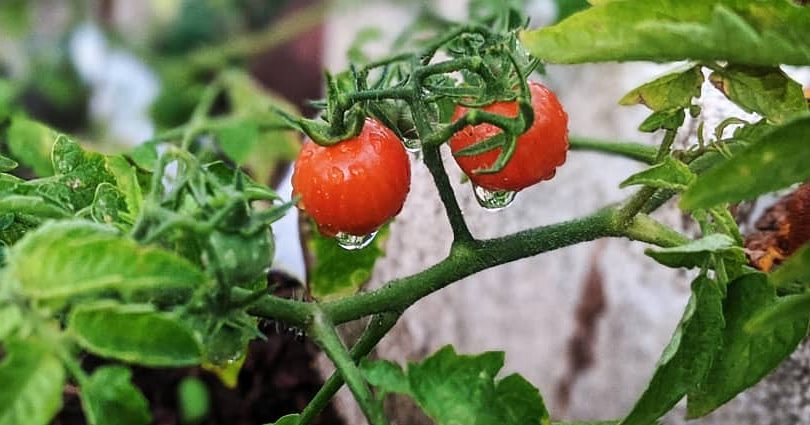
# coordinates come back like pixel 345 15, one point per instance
pixel 540 150
pixel 355 186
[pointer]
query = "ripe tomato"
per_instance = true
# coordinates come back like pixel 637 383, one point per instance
pixel 355 186
pixel 540 150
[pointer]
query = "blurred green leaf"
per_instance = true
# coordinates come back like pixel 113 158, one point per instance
pixel 767 91
pixel 32 205
pixel 458 389
pixel 670 174
pixel 7 164
pixel 109 398
pixel 566 8
pixel 785 311
pixel 10 318
pixel 134 333
pixel 126 180
pixel 31 144
pixel 669 92
pixel 745 358
pixel 688 356
pixel 88 258
pixel 793 274
pixel 667 120
pixel 697 253
pixel 776 160
pixel 288 420
pixel 193 400
pixel 15 17
pixel 238 140
pixel 32 378
pixel 744 32
pixel 337 272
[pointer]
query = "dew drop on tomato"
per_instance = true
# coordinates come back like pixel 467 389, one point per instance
pixel 353 242
pixel 493 200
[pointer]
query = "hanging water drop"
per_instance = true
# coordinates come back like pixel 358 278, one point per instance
pixel 412 145
pixel 352 242
pixel 493 200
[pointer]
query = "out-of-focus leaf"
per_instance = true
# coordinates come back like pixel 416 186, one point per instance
pixel 337 272
pixel 193 400
pixel 110 398
pixel 31 144
pixel 134 333
pixel 697 253
pixel 32 378
pixel 794 274
pixel 88 258
pixel 744 32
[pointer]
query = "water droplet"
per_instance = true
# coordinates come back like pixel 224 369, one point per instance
pixel 412 145
pixel 356 170
pixel 352 242
pixel 493 200
pixel 335 175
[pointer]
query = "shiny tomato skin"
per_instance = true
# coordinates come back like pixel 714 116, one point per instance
pixel 540 150
pixel 355 186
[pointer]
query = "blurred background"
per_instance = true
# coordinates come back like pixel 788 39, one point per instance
pixel 585 324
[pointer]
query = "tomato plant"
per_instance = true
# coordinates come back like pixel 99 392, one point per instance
pixel 157 256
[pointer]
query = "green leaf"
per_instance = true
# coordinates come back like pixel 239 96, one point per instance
pixel 86 258
pixel 458 389
pixel 31 143
pixel 32 205
pixel 79 171
pixel 109 205
pixel 668 93
pixel 667 120
pixel 7 164
pixel 745 358
pixel 288 420
pixel 778 159
pixel 193 400
pixel 238 140
pixel 109 398
pixel 126 180
pixel 767 91
pixel 590 423
pixel 785 310
pixel 134 333
pixel 670 174
pixel 10 320
pixel 697 253
pixel 337 272
pixel 32 379
pixel 688 356
pixel 794 274
pixel 566 8
pixel 145 156
pixel 744 32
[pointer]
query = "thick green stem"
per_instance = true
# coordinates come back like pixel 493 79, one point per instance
pixel 636 151
pixel 377 328
pixel 465 260
pixel 324 334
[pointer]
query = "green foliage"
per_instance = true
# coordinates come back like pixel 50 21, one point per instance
pixel 767 91
pixel 32 378
pixel 454 389
pixel 698 253
pixel 86 258
pixel 669 174
pixel 744 358
pixel 31 143
pixel 739 31
pixel 794 274
pixel 780 154
pixel 109 398
pixel 7 164
pixel 134 333
pixel 667 93
pixel 688 357
pixel 287 420
pixel 336 272
pixel 193 399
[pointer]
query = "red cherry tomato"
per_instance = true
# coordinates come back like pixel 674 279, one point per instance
pixel 540 150
pixel 355 186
